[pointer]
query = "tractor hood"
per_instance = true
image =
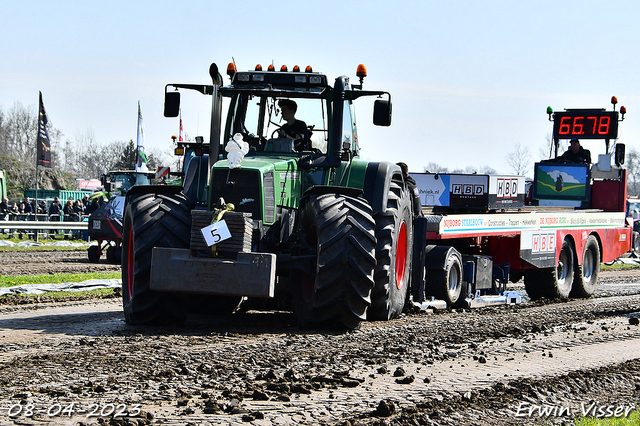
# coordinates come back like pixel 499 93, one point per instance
pixel 259 186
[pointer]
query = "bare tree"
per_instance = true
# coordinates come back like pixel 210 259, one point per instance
pixel 633 172
pixel 547 151
pixel 20 132
pixel 3 131
pixel 435 168
pixel 519 160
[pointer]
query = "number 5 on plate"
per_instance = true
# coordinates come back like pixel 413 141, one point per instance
pixel 216 232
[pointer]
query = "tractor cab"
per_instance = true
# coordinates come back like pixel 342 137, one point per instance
pixel 121 181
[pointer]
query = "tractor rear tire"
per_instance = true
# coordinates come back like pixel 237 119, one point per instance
pixel 152 220
pixel 394 233
pixel 557 282
pixel 339 229
pixel 585 277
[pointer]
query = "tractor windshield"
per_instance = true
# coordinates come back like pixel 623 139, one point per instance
pixel 260 118
pixel 125 180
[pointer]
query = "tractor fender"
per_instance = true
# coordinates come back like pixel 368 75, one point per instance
pixel 435 257
pixel 328 189
pixel 378 177
pixel 155 189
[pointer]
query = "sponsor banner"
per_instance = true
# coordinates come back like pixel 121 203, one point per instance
pixel 464 191
pixel 462 224
pixel 90 184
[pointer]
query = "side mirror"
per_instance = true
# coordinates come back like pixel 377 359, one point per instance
pixel 382 113
pixel 620 152
pixel 171 104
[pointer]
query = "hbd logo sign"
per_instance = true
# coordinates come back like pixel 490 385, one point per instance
pixel 507 188
pixel 467 189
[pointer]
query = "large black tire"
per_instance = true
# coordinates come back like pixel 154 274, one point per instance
pixel 151 220
pixel 557 282
pixel 94 254
pixel 394 233
pixel 635 244
pixel 340 230
pixel 112 256
pixel 585 277
pixel 447 283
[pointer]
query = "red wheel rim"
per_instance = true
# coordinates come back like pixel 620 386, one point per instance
pixel 401 255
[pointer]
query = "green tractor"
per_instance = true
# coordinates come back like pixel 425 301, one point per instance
pixel 300 219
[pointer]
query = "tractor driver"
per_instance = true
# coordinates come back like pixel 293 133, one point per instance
pixel 293 128
pixel 576 153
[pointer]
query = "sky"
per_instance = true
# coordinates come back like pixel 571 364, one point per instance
pixel 469 80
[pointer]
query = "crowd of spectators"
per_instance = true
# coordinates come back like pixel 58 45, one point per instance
pixel 31 210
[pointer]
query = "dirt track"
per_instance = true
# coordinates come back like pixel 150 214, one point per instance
pixel 51 262
pixel 483 367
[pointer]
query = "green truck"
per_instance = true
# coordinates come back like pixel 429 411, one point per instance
pixel 309 224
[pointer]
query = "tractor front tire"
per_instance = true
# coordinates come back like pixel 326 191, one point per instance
pixel 339 230
pixel 152 220
pixel 394 233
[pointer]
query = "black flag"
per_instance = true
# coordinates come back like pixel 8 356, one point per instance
pixel 44 144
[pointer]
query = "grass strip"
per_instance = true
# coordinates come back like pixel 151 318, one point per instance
pixel 10 281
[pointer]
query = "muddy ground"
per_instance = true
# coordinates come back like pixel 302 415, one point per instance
pixel 77 362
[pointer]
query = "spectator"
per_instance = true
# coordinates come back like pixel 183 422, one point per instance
pixel 4 211
pixel 85 202
pixel 22 216
pixel 13 214
pixel 54 209
pixel 42 207
pixel 78 210
pixel 13 211
pixel 69 216
pixel 34 207
pixel 28 208
pixel 93 206
pixel 54 213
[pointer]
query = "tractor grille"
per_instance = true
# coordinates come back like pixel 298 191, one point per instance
pixel 243 189
pixel 269 198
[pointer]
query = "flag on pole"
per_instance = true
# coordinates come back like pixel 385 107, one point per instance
pixel 181 134
pixel 141 161
pixel 44 143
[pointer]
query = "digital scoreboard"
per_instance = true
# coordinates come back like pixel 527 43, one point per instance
pixel 585 124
